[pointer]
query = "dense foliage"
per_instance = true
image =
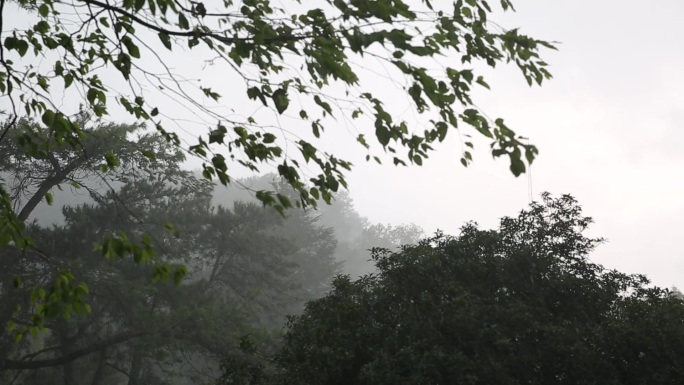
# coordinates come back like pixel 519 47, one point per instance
pixel 304 67
pixel 240 268
pixel 518 305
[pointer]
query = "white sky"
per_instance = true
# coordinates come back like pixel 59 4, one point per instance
pixel 608 126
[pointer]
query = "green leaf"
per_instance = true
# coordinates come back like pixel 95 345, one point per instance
pixel 48 118
pixel 68 80
pixel 217 135
pixel 13 43
pixel 316 128
pixel 517 165
pixel 307 150
pixel 10 42
pixel 284 201
pixel 22 47
pixel 42 27
pixel 133 49
pixel 383 134
pixel 183 21
pixel 111 160
pixel 442 130
pixel 480 81
pixel 165 39
pixel 280 100
pixel 208 92
pixel 326 106
pixel 43 10
pixel 169 226
pixel 254 93
pixel 59 69
pixel 179 274
pixel 48 198
pixel 530 153
pixel 200 9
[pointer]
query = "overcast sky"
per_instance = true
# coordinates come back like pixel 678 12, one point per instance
pixel 609 127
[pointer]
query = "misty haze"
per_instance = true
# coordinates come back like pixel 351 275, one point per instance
pixel 330 192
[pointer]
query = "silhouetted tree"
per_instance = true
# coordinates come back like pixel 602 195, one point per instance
pixel 518 305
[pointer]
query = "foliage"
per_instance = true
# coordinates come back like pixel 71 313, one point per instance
pixel 517 305
pixel 247 267
pixel 30 181
pixel 289 58
pixel 304 62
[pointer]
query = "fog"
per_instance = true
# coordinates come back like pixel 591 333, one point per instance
pixel 124 259
pixel 608 127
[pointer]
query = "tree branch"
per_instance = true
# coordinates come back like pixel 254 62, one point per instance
pixel 54 162
pixel 96 347
pixel 191 33
pixel 48 184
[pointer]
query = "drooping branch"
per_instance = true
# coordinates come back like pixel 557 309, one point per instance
pixel 192 33
pixel 96 347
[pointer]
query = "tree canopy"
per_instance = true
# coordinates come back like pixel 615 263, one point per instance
pixel 65 63
pixel 521 304
pixel 303 60
pixel 240 268
pixel 244 268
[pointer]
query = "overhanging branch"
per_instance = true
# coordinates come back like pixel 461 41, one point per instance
pixel 96 347
pixel 192 33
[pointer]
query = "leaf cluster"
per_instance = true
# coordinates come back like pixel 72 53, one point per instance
pixel 297 54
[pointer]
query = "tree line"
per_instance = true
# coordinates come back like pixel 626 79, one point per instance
pixel 272 299
pixel 244 267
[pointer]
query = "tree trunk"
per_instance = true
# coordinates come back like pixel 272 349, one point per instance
pixel 99 372
pixel 65 349
pixel 43 189
pixel 136 367
pixel 58 177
